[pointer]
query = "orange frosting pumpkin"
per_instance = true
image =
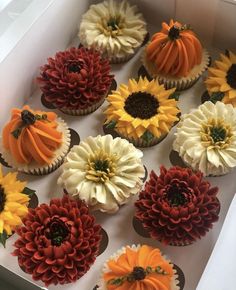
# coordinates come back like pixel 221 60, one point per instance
pixel 139 269
pixel 32 135
pixel 175 50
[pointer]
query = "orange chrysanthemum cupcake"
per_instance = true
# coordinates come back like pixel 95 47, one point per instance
pixel 34 141
pixel 137 268
pixel 175 56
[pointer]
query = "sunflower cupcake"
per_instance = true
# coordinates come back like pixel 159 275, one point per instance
pixel 34 141
pixel 206 138
pixel 58 242
pixel 13 204
pixel 104 172
pixel 143 111
pixel 221 80
pixel 175 56
pixel 136 268
pixel 178 207
pixel 115 28
pixel 76 81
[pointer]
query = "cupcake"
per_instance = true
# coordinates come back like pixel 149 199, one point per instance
pixel 175 56
pixel 59 242
pixel 206 138
pixel 76 81
pixel 138 267
pixel 221 80
pixel 104 172
pixel 143 111
pixel 14 203
pixel 115 28
pixel 177 207
pixel 34 142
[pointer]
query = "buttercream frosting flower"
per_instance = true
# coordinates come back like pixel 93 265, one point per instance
pixel 141 111
pixel 76 80
pixel 58 242
pixel 34 141
pixel 137 268
pixel 206 138
pixel 13 204
pixel 175 56
pixel 221 81
pixel 103 171
pixel 178 206
pixel 113 27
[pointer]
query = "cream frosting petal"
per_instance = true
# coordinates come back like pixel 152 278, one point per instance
pixel 211 160
pixel 105 195
pixel 132 28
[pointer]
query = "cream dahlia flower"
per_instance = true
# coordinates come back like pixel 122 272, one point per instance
pixel 206 138
pixel 115 28
pixel 104 172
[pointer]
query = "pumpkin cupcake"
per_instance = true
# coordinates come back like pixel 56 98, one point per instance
pixel 221 80
pixel 115 28
pixel 175 56
pixel 34 141
pixel 143 111
pixel 206 138
pixel 178 207
pixel 138 267
pixel 76 81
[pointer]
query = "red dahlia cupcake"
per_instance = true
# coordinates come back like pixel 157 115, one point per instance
pixel 58 242
pixel 178 206
pixel 76 81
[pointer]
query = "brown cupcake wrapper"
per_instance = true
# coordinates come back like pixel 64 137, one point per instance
pixel 45 169
pixel 182 83
pixel 82 112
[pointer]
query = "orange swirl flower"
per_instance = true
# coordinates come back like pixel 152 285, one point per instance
pixel 32 135
pixel 138 268
pixel 175 50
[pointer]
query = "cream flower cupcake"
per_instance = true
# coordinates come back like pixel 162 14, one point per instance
pixel 143 111
pixel 104 172
pixel 206 138
pixel 138 268
pixel 221 81
pixel 115 28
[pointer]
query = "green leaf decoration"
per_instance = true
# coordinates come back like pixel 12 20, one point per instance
pixel 28 191
pixel 147 136
pixel 3 238
pixel 16 133
pixel 216 96
pixel 111 125
pixel 175 96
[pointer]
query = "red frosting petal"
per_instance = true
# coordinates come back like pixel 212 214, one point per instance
pixel 67 257
pixel 178 206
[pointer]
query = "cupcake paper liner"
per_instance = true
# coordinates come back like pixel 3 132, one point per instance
pixel 34 168
pixel 182 83
pixel 82 112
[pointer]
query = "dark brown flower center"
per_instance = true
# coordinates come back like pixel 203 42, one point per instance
pixel 178 193
pixel 56 231
pixel 101 165
pixel 174 32
pixel 141 105
pixel 113 23
pixel 74 66
pixel 218 134
pixel 27 117
pixel 2 199
pixel 138 273
pixel 231 76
